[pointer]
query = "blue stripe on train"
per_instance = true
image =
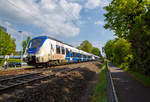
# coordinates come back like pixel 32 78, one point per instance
pixel 75 59
pixel 67 58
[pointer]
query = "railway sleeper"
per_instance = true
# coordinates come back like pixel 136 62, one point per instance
pixel 12 85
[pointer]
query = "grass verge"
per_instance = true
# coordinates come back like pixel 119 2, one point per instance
pixel 100 88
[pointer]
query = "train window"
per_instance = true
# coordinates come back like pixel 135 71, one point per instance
pixel 52 47
pixel 71 53
pixel 63 50
pixel 78 55
pixel 57 49
pixel 35 43
pixel 75 54
pixel 67 51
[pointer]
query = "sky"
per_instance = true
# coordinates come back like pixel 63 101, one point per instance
pixel 70 21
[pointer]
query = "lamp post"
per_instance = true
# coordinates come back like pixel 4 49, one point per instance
pixel 21 32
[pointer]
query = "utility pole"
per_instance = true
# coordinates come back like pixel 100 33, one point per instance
pixel 21 32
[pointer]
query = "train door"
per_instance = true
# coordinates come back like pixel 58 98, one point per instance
pixel 52 52
pixel 67 55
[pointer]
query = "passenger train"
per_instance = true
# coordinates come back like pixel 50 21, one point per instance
pixel 44 50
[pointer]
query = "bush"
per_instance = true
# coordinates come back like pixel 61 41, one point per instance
pixel 118 51
pixel 1 62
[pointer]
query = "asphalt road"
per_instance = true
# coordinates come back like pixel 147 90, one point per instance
pixel 128 88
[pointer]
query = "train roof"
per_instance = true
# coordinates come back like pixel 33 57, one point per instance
pixel 60 41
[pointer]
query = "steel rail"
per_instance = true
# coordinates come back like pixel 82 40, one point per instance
pixel 19 76
pixel 23 79
pixel 18 68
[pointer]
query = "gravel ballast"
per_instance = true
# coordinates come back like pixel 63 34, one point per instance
pixel 66 87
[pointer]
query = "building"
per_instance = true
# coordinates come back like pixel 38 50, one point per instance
pixel 5 29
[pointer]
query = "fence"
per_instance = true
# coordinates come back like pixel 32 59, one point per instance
pixel 111 93
pixel 11 57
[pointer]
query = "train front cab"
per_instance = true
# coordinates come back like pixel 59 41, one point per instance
pixel 32 49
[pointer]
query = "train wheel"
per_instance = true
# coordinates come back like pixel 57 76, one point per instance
pixel 46 65
pixel 49 64
pixel 37 66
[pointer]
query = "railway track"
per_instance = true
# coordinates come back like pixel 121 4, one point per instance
pixel 12 82
pixel 18 68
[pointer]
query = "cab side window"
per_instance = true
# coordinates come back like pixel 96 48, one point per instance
pixel 52 47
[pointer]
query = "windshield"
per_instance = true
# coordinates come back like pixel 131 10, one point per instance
pixel 35 43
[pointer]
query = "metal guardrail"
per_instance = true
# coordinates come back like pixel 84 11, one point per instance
pixel 14 57
pixel 111 93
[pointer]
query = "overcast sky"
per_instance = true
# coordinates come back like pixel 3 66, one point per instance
pixel 71 21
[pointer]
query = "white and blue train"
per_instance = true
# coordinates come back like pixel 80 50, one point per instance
pixel 45 50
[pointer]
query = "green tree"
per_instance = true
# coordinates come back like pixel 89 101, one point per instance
pixel 25 43
pixel 108 48
pixel 139 38
pixel 130 19
pixel 121 51
pixel 121 15
pixel 7 44
pixel 86 46
pixel 118 51
pixel 96 51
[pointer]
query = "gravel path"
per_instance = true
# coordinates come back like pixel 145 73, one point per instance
pixel 128 88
